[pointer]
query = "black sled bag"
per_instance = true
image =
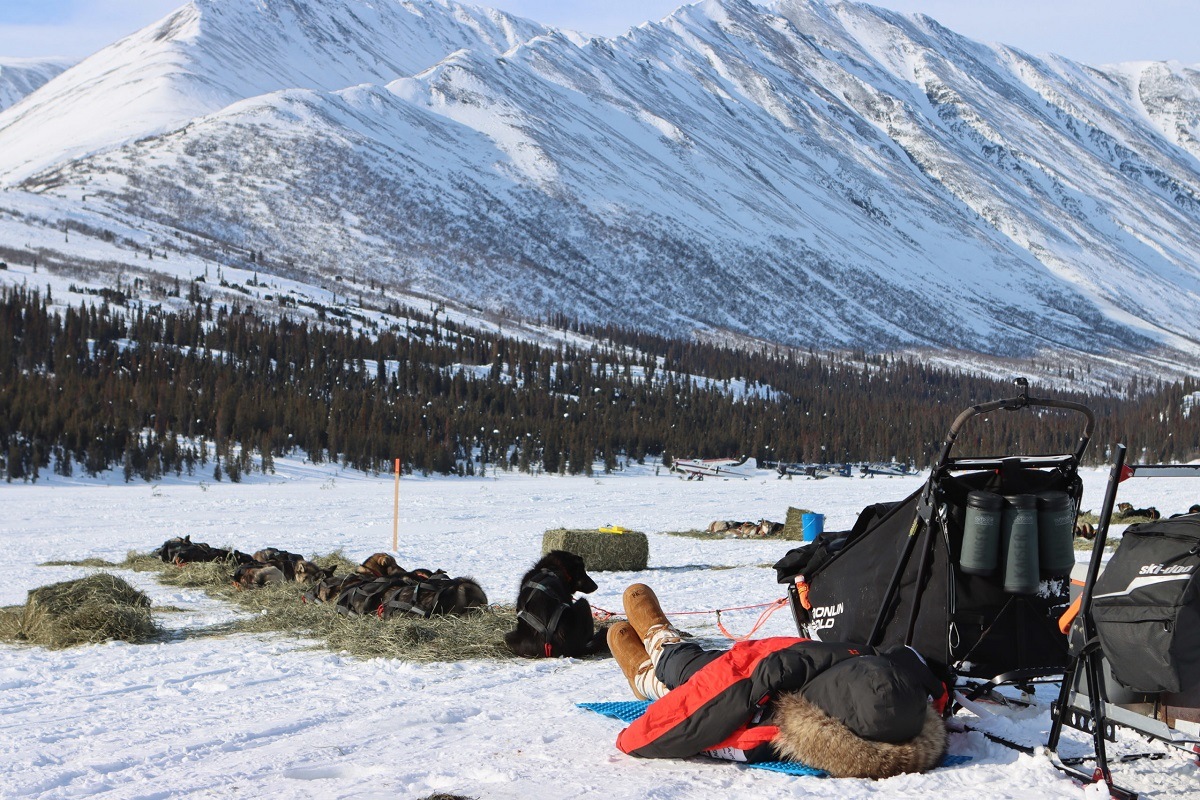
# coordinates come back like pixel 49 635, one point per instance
pixel 1146 606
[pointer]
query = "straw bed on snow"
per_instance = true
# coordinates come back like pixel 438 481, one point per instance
pixel 98 608
pixel 601 552
pixel 280 608
pixel 696 533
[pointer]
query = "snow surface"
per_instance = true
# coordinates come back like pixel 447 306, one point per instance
pixel 267 714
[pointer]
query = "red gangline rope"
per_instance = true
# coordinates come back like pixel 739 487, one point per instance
pixel 604 615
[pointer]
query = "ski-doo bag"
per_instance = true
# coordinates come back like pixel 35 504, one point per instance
pixel 1146 606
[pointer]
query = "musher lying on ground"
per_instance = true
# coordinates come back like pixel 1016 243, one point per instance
pixel 847 709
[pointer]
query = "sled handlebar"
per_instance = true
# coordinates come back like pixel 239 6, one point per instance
pixel 1017 403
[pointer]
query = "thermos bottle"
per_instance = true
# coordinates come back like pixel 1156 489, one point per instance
pixel 1056 533
pixel 1019 542
pixel 981 534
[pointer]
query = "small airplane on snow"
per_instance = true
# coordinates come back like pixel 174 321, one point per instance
pixel 700 468
pixel 888 468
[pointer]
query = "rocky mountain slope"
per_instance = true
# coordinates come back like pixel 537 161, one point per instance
pixel 821 174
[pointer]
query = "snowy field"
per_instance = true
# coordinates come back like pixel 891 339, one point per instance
pixel 268 715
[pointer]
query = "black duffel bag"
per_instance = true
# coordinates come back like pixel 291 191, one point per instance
pixel 1146 606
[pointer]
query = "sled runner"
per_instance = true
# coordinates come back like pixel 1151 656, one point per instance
pixel 972 570
pixel 1135 641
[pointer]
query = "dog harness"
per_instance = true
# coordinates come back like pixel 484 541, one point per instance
pixel 545 628
pixel 438 588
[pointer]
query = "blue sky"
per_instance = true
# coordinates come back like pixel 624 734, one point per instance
pixel 1092 31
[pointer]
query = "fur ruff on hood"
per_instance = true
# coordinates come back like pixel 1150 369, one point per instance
pixel 809 735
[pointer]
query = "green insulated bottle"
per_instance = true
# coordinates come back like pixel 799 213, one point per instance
pixel 981 534
pixel 1056 533
pixel 1019 542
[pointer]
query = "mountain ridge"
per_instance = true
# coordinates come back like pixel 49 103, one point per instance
pixel 810 173
pixel 20 77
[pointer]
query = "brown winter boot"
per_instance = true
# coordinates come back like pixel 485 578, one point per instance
pixel 647 618
pixel 630 654
pixel 643 611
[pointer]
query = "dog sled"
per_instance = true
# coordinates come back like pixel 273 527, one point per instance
pixel 919 571
pixel 1135 639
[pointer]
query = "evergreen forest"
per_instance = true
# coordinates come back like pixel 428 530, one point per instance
pixel 101 383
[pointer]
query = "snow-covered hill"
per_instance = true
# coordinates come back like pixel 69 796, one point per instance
pixel 823 174
pixel 21 76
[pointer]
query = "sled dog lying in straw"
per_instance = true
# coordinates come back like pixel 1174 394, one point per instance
pixel 182 550
pixel 267 566
pixel 382 587
pixel 379 565
pixel 550 621
pixel 248 576
pixel 764 527
pixel 1127 511
pixel 294 567
pixel 277 566
pixel 382 565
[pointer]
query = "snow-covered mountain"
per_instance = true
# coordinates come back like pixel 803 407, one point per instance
pixel 21 76
pixel 826 174
pixel 212 53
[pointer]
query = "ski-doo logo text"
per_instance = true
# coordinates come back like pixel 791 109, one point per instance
pixel 823 616
pixel 1159 569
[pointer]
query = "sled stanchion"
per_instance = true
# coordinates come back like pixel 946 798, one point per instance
pixel 1098 544
pixel 894 583
pixel 396 512
pixel 1084 619
pixel 919 589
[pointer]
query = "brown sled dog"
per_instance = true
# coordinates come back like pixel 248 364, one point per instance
pixel 550 621
pixel 327 590
pixel 436 594
pixel 1126 511
pixel 424 593
pixel 380 565
pixel 248 576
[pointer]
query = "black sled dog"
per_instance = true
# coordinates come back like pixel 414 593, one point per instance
pixel 550 621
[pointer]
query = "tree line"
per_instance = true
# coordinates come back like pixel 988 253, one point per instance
pixel 106 384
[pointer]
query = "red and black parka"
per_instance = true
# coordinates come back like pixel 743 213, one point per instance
pixel 723 709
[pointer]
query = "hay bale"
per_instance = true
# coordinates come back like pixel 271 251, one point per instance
pixel 98 608
pixel 601 552
pixel 793 525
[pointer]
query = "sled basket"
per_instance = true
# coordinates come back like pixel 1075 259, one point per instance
pixel 897 577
